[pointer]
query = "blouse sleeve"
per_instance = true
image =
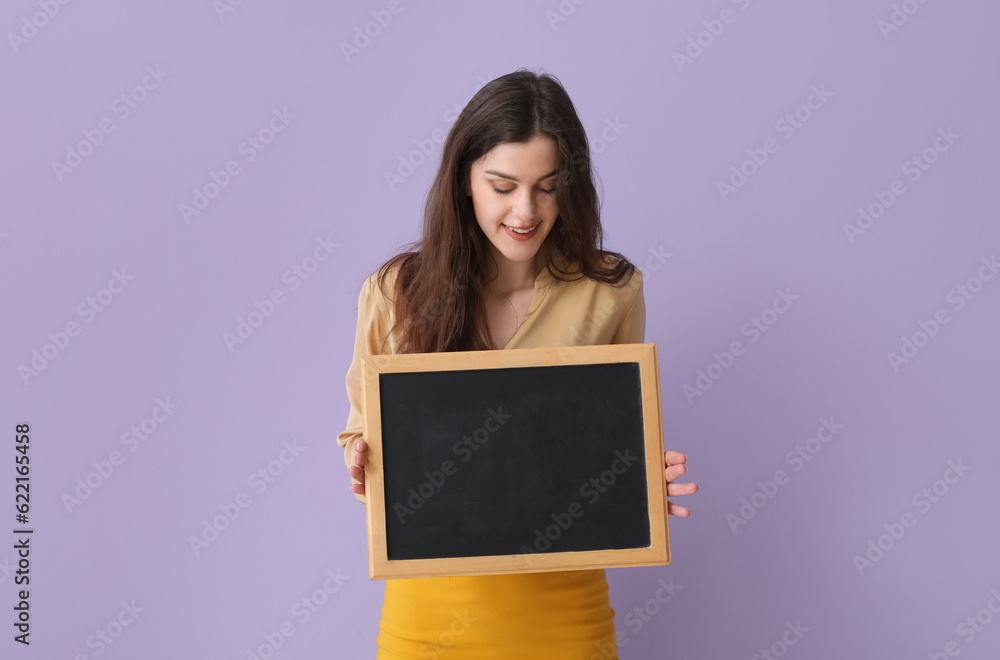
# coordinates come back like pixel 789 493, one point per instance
pixel 633 327
pixel 370 339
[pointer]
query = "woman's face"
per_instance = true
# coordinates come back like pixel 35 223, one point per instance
pixel 513 187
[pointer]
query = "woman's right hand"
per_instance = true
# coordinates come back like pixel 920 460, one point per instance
pixel 357 471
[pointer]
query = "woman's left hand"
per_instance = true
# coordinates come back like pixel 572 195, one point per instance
pixel 676 469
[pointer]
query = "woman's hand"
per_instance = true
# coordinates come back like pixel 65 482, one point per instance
pixel 675 469
pixel 357 471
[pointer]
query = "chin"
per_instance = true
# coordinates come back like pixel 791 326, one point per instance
pixel 518 255
pixel 516 251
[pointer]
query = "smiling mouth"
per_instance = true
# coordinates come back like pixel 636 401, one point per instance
pixel 525 230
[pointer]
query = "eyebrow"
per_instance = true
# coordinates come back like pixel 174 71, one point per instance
pixel 507 176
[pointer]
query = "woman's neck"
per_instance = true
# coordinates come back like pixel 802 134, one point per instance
pixel 518 275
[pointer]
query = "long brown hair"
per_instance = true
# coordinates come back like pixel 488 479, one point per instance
pixel 439 292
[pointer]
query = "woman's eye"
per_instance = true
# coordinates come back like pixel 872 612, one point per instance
pixel 547 191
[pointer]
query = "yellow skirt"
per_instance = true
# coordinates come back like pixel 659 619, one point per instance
pixel 554 615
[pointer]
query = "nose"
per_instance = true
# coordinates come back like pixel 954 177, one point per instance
pixel 525 205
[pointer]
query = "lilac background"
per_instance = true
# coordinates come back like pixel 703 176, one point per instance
pixel 711 266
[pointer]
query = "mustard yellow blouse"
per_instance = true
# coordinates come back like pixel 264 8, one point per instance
pixel 551 615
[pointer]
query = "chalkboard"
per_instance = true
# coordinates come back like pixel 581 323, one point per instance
pixel 513 461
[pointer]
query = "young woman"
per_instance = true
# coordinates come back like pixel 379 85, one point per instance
pixel 510 257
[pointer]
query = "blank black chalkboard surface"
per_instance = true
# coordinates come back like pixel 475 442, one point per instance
pixel 513 461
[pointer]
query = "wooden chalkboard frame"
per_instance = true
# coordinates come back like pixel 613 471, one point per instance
pixel 658 552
